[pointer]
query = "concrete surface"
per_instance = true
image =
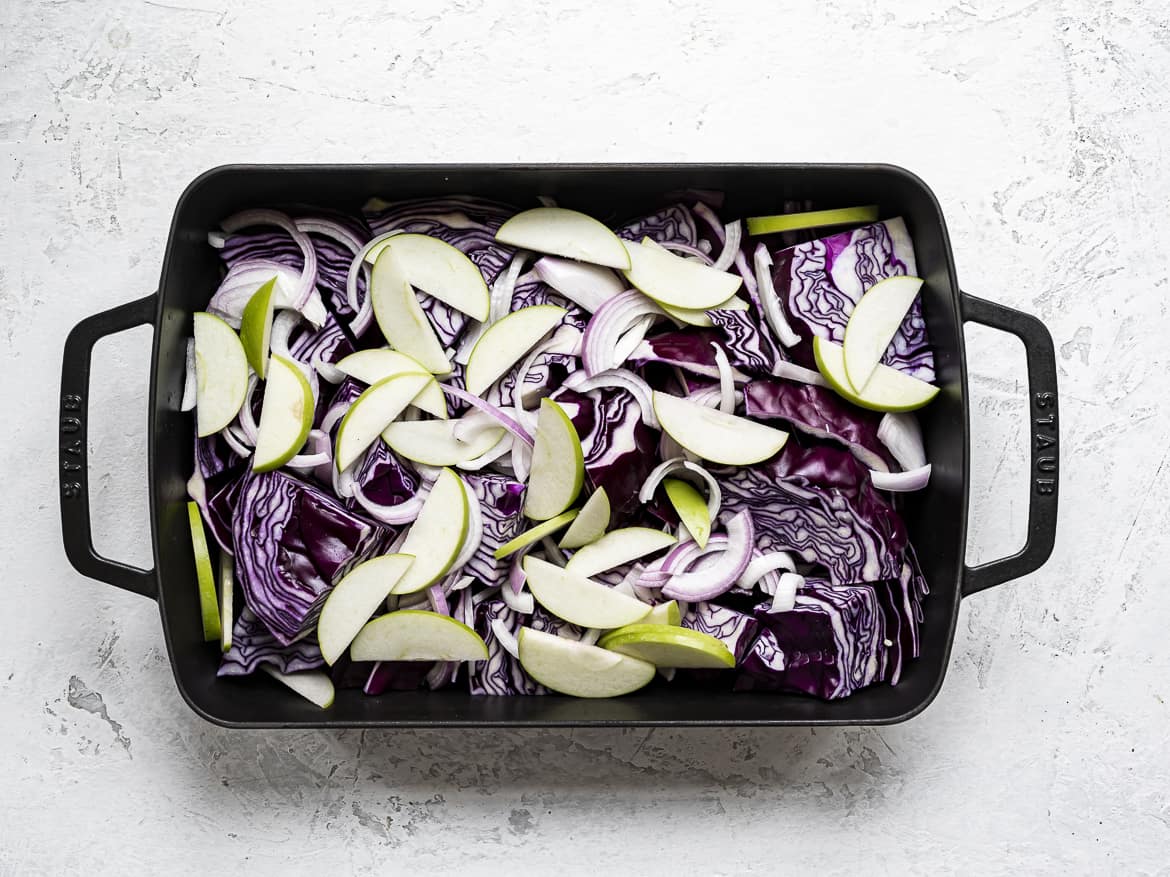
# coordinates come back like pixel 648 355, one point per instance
pixel 1042 128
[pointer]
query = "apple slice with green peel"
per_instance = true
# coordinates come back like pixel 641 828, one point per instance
pixel 371 366
pixel 666 646
pixel 576 669
pixel 208 607
pixel 691 508
pixel 373 411
pixel 221 374
pixel 437 533
pixel 439 270
pixel 580 600
pixel 670 279
pixel 433 442
pixel 256 327
pixel 874 322
pixel 616 548
pixel 887 389
pixel 558 464
pixel 535 534
pixel 567 233
pixel 401 318
pixel 286 415
pixel 354 599
pixel 591 523
pixel 812 219
pixel 227 593
pixel 417 635
pixel 714 435
pixel 664 613
pixel 505 342
pixel 699 317
pixel 313 685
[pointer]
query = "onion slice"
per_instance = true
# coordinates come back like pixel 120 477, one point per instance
pixel 307 283
pixel 609 323
pixel 784 600
pixel 504 638
pixel 500 416
pixel 726 380
pixel 770 300
pixel 622 378
pixel 902 434
pixel 674 464
pixel 717 578
pixel 760 566
pixel 901 482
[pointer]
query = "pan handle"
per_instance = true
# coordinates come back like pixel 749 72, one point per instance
pixel 1044 436
pixel 74 449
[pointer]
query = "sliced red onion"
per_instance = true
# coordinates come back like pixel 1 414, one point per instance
pixel 566 339
pixel 518 601
pixel 607 325
pixel 503 288
pixel 645 351
pixel 712 397
pixel 363 310
pixel 631 338
pixel 504 638
pixel 320 453
pixel 784 600
pixel 189 381
pixel 438 600
pixel 793 372
pixel 734 236
pixel 588 286
pixel 623 379
pixel 686 249
pixel 396 515
pixel 901 433
pixel 307 282
pixel 474 535
pixel 763 564
pixel 675 464
pixel 246 418
pixel 749 279
pixel 521 460
pixel 328 371
pixel 469 427
pixel 245 277
pixel 236 442
pixel 901 482
pixel 459 583
pixel 516 575
pixel 282 327
pixel 327 228
pixel 503 419
pixel 718 578
pixel 726 381
pixel 501 447
pixel 770 301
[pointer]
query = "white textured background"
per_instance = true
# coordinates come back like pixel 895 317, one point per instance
pixel 1043 128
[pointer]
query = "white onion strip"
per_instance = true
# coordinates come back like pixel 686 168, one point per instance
pixel 501 417
pixel 902 434
pixel 901 482
pixel 504 638
pixel 726 380
pixel 622 378
pixel 189 382
pixel 474 535
pixel 760 566
pixel 770 300
pixel 734 236
pixel 784 600
pixel 609 323
pixel 718 577
pixel 659 472
pixel 307 283
pixel 503 288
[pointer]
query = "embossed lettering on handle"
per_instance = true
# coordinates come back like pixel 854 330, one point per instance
pixel 71 424
pixel 1044 438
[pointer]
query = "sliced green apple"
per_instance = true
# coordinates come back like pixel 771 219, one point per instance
pixel 503 344
pixel 664 613
pixel 373 411
pixel 433 442
pixel 579 670
pixel 256 327
pixel 439 270
pixel 400 317
pixel 567 233
pixel 714 435
pixel 691 508
pixel 580 600
pixel 371 366
pixel 616 548
pixel 354 599
pixel 812 219
pixel 558 464
pixel 227 594
pixel 437 533
pixel 591 523
pixel 699 317
pixel 286 415
pixel 667 646
pixel 887 389
pixel 221 374
pixel 873 323
pixel 670 279
pixel 208 607
pixel 535 534
pixel 313 685
pixel 417 635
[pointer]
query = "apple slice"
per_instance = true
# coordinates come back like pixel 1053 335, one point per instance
pixel 667 646
pixel 670 279
pixel 227 594
pixel 433 442
pixel 221 374
pixel 567 233
pixel 579 670
pixel 354 599
pixel 439 270
pixel 591 523
pixel 437 533
pixel 256 327
pixel 286 415
pixel 874 322
pixel 534 534
pixel 208 608
pixel 664 613
pixel 691 508
pixel 887 389
pixel 618 547
pixel 401 318
pixel 313 685
pixel 699 317
pixel 558 464
pixel 812 219
pixel 417 635
pixel 714 435
pixel 503 344
pixel 580 600
pixel 371 366
pixel 373 411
